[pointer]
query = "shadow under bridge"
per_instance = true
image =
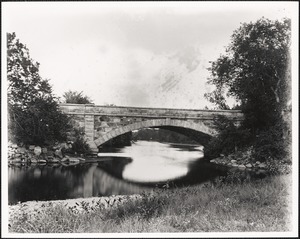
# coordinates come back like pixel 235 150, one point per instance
pixel 196 131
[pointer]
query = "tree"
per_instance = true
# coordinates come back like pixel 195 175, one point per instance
pixel 256 71
pixel 74 97
pixel 34 115
pixel 24 82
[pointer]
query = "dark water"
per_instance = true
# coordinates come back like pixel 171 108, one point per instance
pixel 127 170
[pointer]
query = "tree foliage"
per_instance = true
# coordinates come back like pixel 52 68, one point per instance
pixel 74 97
pixel 256 72
pixel 34 115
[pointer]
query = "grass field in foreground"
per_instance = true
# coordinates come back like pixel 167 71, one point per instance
pixel 260 205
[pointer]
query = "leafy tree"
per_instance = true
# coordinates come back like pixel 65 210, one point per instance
pixel 256 71
pixel 25 83
pixel 74 97
pixel 34 115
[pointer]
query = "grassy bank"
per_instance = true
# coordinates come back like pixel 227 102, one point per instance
pixel 261 205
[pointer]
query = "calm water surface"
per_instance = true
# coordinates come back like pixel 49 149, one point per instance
pixel 128 170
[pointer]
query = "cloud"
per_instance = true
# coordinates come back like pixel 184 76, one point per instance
pixel 137 56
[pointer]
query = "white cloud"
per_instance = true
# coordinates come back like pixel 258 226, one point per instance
pixel 131 54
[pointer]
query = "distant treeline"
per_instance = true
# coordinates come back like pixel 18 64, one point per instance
pixel 161 135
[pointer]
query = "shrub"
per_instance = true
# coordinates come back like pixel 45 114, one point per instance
pixel 229 138
pixel 74 97
pixel 79 145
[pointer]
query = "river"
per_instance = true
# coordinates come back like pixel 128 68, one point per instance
pixel 116 171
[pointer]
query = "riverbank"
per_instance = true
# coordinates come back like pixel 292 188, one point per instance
pixel 259 205
pixel 33 154
pixel 243 160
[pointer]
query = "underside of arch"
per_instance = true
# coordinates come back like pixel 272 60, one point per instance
pixel 197 131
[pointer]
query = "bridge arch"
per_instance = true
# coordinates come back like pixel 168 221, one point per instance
pixel 199 127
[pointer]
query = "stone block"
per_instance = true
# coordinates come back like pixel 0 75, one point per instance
pixel 37 150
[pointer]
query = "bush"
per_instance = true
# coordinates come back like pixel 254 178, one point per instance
pixel 74 97
pixel 269 144
pixel 41 122
pixel 229 139
pixel 79 145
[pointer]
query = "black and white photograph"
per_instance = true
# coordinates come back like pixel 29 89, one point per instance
pixel 149 119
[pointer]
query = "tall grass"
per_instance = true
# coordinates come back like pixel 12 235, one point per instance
pixel 260 205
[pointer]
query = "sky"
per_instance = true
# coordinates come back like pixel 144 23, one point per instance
pixel 153 54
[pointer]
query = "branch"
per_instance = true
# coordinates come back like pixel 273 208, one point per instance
pixel 276 90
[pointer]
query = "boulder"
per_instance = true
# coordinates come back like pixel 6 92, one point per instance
pixel 42 161
pixel 33 160
pixel 31 147
pixel 17 160
pixel 21 150
pixel 14 146
pixel 65 159
pixel 58 153
pixel 37 150
pixel 233 161
pixel 234 165
pixel 249 165
pixel 242 166
pixel 262 165
pixel 73 160
pixel 44 157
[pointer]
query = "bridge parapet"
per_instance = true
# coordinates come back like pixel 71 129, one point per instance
pixel 81 109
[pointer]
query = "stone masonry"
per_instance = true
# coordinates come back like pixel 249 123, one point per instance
pixel 102 123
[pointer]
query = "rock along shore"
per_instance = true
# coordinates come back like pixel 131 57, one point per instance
pixel 35 154
pixel 244 161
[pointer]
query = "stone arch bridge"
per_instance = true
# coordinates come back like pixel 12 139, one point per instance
pixel 103 123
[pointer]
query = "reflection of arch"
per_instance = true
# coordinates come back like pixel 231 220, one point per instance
pixel 175 125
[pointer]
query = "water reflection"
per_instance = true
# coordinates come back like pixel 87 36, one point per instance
pixel 157 162
pixel 127 170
